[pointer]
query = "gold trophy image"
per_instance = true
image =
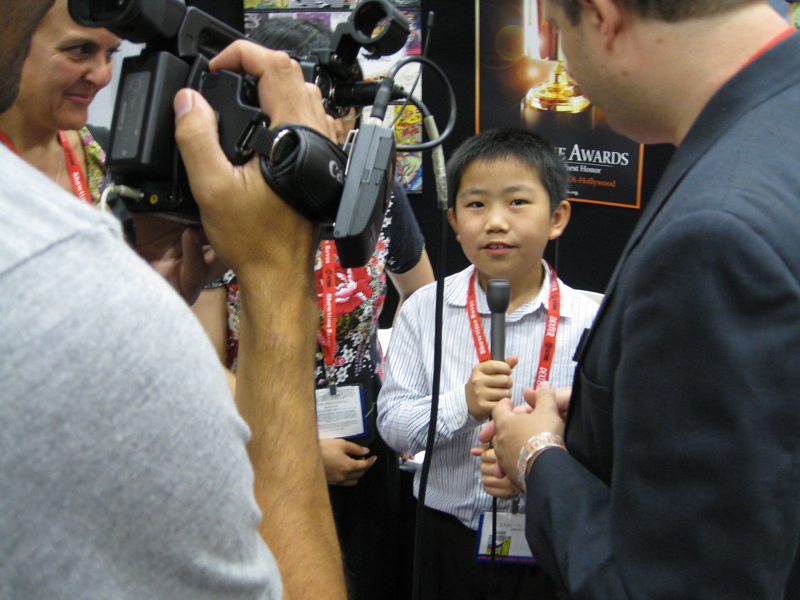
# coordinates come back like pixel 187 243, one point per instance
pixel 557 99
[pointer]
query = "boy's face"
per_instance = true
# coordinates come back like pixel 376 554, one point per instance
pixel 502 219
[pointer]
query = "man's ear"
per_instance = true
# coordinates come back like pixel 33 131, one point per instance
pixel 605 16
pixel 451 218
pixel 559 220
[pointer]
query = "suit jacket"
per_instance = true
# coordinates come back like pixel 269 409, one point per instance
pixel 683 473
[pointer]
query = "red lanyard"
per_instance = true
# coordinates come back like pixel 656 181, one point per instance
pixel 475 325
pixel 8 144
pixel 326 336
pixel 76 176
pixel 773 42
pixel 551 329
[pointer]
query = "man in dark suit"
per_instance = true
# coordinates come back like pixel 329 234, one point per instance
pixel 681 477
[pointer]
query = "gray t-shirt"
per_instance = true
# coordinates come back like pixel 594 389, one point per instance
pixel 123 468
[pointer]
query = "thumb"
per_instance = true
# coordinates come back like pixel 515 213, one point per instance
pixel 502 410
pixel 487 433
pixel 196 133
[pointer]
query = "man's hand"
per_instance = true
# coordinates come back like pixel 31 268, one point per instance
pixel 245 221
pixel 511 428
pixel 340 466
pixel 562 397
pixel 489 382
pixel 497 486
pixel 180 254
pixel 271 249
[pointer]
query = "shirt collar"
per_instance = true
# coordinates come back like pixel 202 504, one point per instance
pixel 455 295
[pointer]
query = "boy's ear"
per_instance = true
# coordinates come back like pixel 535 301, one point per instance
pixel 451 218
pixel 559 219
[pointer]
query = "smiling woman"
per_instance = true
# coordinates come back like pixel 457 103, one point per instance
pixel 66 66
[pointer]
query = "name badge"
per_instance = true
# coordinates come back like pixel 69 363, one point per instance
pixel 340 415
pixel 512 547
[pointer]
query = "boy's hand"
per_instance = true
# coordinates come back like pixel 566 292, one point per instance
pixel 495 485
pixel 340 466
pixel 489 383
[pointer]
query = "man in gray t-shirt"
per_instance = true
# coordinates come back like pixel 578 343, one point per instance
pixel 124 470
pixel 123 465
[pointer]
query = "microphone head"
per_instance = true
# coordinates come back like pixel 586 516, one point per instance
pixel 498 295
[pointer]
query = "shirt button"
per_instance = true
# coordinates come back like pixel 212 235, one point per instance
pixel 459 419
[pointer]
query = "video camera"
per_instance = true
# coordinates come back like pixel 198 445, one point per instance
pixel 312 174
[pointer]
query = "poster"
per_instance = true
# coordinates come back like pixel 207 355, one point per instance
pixel 408 130
pixel 406 124
pixel 522 80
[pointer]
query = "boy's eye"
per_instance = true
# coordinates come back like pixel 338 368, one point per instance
pixel 519 202
pixel 475 204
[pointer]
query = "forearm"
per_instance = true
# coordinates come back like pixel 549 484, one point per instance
pixel 403 419
pixel 404 404
pixel 270 247
pixel 278 322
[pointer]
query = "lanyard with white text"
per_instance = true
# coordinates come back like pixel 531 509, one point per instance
pixel 551 328
pixel 76 176
pixel 326 336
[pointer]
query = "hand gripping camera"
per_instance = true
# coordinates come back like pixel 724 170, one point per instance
pixel 347 194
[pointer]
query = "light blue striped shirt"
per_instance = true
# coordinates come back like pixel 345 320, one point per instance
pixel 454 482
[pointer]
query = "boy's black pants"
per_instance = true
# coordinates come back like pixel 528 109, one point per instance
pixel 449 571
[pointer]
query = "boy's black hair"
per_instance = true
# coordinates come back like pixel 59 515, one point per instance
pixel 526 146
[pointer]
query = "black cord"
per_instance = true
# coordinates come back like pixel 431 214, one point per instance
pixel 419 74
pixel 441 265
pixel 383 97
pixel 494 546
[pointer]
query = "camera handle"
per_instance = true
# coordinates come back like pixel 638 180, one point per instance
pixel 303 167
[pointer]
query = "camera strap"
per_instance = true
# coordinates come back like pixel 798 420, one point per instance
pixel 303 167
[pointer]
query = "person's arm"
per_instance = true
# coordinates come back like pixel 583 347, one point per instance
pixel 705 445
pixel 408 265
pixel 409 282
pixel 271 248
pixel 404 402
pixel 212 312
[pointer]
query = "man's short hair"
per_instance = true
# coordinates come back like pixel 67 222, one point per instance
pixel 528 147
pixel 671 11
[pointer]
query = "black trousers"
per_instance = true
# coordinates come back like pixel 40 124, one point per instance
pixel 367 518
pixel 449 571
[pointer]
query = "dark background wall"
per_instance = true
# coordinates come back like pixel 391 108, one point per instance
pixel 586 254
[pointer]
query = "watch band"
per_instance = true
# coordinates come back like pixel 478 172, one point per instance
pixel 531 450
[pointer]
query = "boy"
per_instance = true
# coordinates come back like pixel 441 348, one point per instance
pixel 507 190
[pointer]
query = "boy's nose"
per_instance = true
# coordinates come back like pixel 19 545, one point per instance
pixel 496 219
